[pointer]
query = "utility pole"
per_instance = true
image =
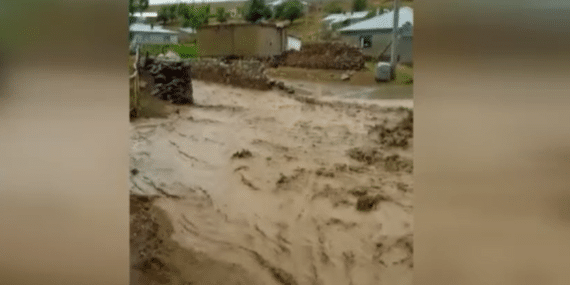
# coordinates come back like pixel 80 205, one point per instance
pixel 394 53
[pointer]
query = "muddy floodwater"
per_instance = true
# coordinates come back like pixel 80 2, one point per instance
pixel 252 187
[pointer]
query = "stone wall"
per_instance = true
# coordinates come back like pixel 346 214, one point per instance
pixel 325 55
pixel 240 73
pixel 169 80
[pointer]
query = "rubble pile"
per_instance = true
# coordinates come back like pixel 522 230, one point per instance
pixel 325 55
pixel 169 80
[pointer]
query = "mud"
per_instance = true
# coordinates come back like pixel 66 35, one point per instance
pixel 299 210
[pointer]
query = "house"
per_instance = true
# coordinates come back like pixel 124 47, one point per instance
pixel 274 5
pixel 149 34
pixel 374 35
pixel 350 17
pixel 241 39
pixel 144 17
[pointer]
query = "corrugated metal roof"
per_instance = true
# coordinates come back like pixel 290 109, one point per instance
pixel 137 27
pixel 335 18
pixel 145 14
pixel 188 30
pixel 278 2
pixel 384 21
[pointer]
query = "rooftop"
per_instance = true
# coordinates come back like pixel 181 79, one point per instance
pixel 145 14
pixel 137 27
pixel 383 21
pixel 345 16
pixel 278 2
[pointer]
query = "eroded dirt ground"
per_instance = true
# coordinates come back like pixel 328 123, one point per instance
pixel 251 187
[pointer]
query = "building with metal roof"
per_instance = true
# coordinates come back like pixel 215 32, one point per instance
pixel 374 35
pixel 351 17
pixel 150 34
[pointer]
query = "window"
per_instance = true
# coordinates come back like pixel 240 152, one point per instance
pixel 366 41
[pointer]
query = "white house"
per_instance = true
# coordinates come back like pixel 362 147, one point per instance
pixel 351 17
pixel 148 34
pixel 144 16
pixel 374 35
pixel 274 4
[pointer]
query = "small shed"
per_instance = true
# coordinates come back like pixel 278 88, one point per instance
pixel 374 35
pixel 242 39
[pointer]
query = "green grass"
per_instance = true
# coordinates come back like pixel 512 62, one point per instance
pixel 183 50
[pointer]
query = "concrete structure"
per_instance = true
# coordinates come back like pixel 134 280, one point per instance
pixel 374 35
pixel 293 43
pixel 241 39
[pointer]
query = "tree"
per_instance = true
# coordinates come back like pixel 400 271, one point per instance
pixel 204 14
pixel 278 13
pixel 136 6
pixel 293 10
pixel 196 17
pixel 257 10
pixel 172 9
pixel 221 15
pixel 163 15
pixel 359 5
pixel 183 11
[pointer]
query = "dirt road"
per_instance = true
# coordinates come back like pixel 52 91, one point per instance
pixel 251 187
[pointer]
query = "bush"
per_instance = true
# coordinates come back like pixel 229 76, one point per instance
pixel 221 15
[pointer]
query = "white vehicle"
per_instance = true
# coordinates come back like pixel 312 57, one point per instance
pixel 383 72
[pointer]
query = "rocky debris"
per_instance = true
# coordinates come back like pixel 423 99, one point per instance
pixel 366 155
pixel 169 80
pixel 172 55
pixel 398 135
pixel 325 55
pixel 366 203
pixel 345 77
pixel 396 163
pixel 242 154
pixel 240 73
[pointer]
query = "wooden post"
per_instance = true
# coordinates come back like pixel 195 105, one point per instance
pixel 135 77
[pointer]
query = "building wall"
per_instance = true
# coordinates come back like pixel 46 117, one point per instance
pixel 240 40
pixel 216 41
pixel 380 43
pixel 271 41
